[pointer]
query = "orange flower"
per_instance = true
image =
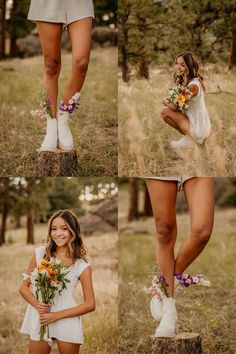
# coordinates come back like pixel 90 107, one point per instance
pixel 181 99
pixel 45 262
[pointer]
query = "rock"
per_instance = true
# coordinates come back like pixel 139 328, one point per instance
pixel 101 36
pixel 101 218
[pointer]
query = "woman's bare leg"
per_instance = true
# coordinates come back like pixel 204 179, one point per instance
pixel 50 38
pixel 181 121
pixel 80 36
pixel 200 197
pixel 163 198
pixel 68 348
pixel 38 347
pixel 170 122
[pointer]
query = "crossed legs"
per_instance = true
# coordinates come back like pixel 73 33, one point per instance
pixel 199 192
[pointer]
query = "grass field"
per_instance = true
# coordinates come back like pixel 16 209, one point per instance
pixel 144 139
pixel 100 327
pixel 94 125
pixel 211 312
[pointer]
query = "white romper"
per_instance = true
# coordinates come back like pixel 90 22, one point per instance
pixel 200 125
pixel 179 180
pixel 67 329
pixel 60 11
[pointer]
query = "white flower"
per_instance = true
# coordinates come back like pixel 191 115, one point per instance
pixel 25 276
pixel 55 261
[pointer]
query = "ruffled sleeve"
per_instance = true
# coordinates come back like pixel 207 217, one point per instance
pixel 82 265
pixel 39 252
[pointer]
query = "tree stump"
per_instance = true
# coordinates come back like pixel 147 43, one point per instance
pixel 183 343
pixel 58 163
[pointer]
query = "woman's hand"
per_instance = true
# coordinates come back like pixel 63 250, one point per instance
pixel 165 101
pixel 46 318
pixel 43 308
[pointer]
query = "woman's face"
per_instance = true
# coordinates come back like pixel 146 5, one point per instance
pixel 180 66
pixel 60 232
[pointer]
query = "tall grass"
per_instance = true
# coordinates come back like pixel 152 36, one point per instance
pixel 148 138
pixel 94 125
pixel 100 327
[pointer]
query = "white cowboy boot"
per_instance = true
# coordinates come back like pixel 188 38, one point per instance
pixel 156 304
pixel 167 326
pixel 65 139
pixel 184 142
pixel 50 140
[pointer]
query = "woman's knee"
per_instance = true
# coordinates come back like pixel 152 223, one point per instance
pixel 80 64
pixel 201 233
pixel 52 66
pixel 166 232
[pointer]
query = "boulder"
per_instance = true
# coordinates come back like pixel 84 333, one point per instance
pixel 101 218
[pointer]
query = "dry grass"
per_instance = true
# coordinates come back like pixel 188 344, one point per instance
pixel 144 138
pixel 208 311
pixel 100 327
pixel 94 125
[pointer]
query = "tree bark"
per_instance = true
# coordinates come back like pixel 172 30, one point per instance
pixel 59 163
pixel 183 343
pixel 30 213
pixel 147 207
pixel 133 192
pixel 2 28
pixel 4 210
pixel 232 61
pixel 13 37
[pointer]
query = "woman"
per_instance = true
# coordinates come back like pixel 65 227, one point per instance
pixel 51 17
pixel 194 123
pixel 199 193
pixel 63 318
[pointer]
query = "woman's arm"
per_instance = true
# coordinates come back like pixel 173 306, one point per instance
pixel 26 292
pixel 172 106
pixel 87 306
pixel 194 89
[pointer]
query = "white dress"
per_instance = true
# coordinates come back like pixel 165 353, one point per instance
pixel 200 125
pixel 66 329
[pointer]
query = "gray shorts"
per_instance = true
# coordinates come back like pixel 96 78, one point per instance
pixel 179 180
pixel 60 11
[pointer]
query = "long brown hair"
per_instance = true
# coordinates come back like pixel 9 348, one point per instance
pixel 75 244
pixel 192 66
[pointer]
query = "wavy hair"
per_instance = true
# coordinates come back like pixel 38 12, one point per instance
pixel 75 244
pixel 192 67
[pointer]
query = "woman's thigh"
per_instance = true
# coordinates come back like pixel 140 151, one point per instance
pixel 39 347
pixel 163 199
pixel 179 118
pixel 68 348
pixel 200 196
pixel 50 38
pixel 80 36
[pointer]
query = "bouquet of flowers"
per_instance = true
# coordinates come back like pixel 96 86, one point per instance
pixel 48 278
pixel 179 96
pixel 45 107
pixel 73 104
pixel 159 285
pixel 185 280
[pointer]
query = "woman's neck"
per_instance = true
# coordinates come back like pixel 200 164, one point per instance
pixel 62 251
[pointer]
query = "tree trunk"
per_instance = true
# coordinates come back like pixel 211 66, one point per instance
pixel 133 192
pixel 4 210
pixel 2 28
pixel 232 61
pixel 147 207
pixel 13 36
pixel 59 163
pixel 183 343
pixel 124 56
pixel 143 60
pixel 30 213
